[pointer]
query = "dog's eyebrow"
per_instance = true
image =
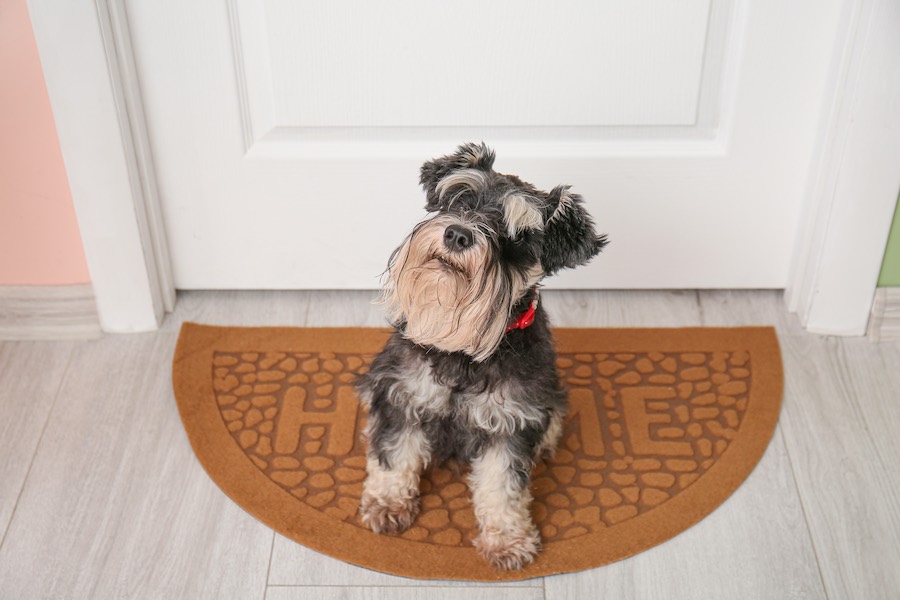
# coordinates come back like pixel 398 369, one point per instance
pixel 471 179
pixel 520 211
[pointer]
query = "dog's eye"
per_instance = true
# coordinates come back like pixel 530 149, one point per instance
pixel 521 250
pixel 520 235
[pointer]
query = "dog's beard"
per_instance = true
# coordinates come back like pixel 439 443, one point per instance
pixel 453 301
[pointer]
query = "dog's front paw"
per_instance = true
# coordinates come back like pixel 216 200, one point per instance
pixel 507 551
pixel 388 515
pixel 547 454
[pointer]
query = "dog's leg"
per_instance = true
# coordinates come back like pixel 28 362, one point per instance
pixel 390 499
pixel 550 441
pixel 501 495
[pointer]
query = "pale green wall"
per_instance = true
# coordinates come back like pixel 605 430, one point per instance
pixel 890 268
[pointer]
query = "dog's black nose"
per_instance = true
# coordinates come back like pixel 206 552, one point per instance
pixel 457 237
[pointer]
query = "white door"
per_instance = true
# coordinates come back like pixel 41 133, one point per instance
pixel 287 135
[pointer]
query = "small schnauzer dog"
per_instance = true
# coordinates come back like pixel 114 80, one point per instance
pixel 469 373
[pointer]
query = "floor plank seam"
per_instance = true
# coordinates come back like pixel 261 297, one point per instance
pixel 812 540
pixel 701 315
pixel 37 446
pixel 269 567
pixel 862 414
pixel 847 389
pixel 306 312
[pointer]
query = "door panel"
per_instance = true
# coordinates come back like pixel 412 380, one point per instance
pixel 399 64
pixel 287 135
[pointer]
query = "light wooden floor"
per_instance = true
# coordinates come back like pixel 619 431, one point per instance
pixel 101 496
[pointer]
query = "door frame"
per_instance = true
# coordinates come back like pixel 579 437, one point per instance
pixel 855 178
pixel 86 53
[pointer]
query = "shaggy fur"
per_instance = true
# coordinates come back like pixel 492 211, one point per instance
pixel 454 382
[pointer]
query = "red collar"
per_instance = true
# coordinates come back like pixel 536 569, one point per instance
pixel 526 318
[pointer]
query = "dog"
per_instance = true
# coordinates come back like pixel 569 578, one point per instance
pixel 469 373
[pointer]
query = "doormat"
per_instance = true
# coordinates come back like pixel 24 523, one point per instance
pixel 663 425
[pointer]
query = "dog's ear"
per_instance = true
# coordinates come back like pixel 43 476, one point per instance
pixel 569 236
pixel 467 156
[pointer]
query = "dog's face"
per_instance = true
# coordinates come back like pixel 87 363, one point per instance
pixel 457 276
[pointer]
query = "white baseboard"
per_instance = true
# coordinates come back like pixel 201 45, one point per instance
pixel 884 323
pixel 48 312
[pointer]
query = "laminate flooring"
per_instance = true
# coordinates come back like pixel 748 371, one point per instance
pixel 102 497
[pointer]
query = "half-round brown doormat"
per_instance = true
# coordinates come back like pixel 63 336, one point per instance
pixel 664 424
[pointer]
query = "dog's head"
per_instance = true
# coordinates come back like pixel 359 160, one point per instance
pixel 455 279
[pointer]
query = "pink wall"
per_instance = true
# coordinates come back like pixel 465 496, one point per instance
pixel 39 239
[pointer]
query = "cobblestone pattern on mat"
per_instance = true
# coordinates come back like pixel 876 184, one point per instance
pixel 641 428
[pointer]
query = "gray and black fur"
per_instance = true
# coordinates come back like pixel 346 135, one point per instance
pixel 452 383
